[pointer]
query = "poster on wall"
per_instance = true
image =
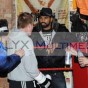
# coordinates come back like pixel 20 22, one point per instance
pixel 59 8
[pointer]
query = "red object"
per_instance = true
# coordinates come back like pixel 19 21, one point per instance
pixel 54 69
pixel 80 76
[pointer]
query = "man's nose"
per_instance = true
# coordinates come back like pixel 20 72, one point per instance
pixel 42 20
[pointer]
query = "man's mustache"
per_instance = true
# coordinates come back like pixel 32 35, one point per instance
pixel 43 23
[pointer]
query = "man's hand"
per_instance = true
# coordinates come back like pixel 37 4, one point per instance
pixel 20 52
pixel 47 82
pixel 71 50
pixel 43 81
pixel 83 61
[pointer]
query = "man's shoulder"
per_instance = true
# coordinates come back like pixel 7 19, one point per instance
pixel 37 28
pixel 60 27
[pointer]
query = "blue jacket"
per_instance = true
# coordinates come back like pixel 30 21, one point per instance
pixel 7 63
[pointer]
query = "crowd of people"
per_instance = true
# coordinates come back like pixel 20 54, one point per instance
pixel 31 48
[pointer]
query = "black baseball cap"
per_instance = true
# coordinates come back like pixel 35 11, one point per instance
pixel 46 12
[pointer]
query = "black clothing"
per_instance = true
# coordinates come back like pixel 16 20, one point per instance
pixel 60 35
pixel 57 58
pixel 23 84
pixel 77 24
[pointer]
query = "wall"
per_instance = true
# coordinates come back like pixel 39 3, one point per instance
pixel 7 11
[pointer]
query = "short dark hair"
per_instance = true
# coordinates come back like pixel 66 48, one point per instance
pixel 24 19
pixel 3 23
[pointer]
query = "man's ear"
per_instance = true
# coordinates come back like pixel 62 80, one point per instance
pixel 51 19
pixel 29 25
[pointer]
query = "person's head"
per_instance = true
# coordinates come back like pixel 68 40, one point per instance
pixel 25 22
pixel 3 27
pixel 45 18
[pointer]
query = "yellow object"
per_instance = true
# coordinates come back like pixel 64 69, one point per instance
pixel 19 6
pixel 74 4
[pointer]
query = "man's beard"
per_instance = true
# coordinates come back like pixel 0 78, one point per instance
pixel 45 25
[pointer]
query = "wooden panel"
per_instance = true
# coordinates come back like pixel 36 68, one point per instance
pixel 3 83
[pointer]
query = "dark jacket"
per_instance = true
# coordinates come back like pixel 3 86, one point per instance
pixel 77 24
pixel 57 58
pixel 8 64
